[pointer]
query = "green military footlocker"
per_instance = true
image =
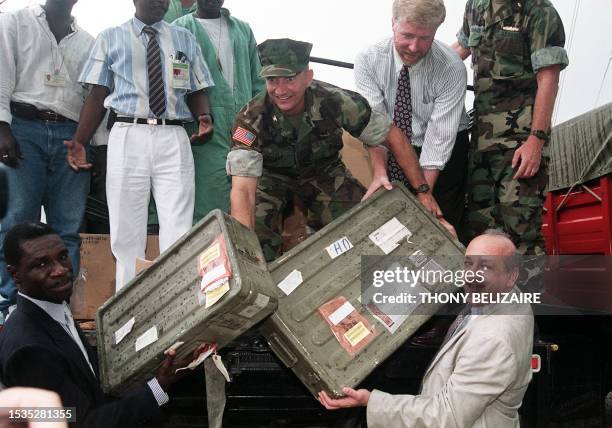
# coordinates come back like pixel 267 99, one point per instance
pixel 328 327
pixel 211 286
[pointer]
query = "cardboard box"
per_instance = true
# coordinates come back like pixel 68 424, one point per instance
pixel 95 283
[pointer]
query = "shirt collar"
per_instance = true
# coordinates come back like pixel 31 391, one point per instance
pixel 139 25
pixel 39 12
pixel 399 64
pixel 54 310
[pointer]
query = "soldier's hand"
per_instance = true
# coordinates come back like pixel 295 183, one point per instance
pixel 353 398
pixel 205 127
pixel 77 155
pixel 10 154
pixel 430 204
pixel 377 182
pixel 527 158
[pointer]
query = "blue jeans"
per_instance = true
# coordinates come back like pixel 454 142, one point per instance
pixel 43 178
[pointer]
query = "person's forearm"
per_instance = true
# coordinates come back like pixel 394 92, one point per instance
pixel 198 103
pixel 431 176
pixel 243 207
pixel 406 157
pixel 461 51
pixel 378 160
pixel 92 113
pixel 548 85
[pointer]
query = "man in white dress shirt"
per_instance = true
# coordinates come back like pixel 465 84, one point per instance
pixel 42 50
pixel 420 83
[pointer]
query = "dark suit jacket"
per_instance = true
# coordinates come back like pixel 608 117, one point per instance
pixel 36 351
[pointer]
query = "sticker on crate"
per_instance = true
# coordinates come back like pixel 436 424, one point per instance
pixel 291 282
pixel 214 266
pixel 339 247
pixel 146 339
pixel 214 295
pixel 351 329
pixel 125 329
pixel 388 236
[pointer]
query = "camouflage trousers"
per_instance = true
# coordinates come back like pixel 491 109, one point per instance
pixel 496 200
pixel 324 198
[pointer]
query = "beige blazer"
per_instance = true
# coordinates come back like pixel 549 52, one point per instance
pixel 477 379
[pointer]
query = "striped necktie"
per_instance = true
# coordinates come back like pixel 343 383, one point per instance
pixel 157 94
pixel 402 119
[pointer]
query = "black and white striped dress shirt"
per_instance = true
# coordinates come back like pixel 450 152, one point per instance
pixel 438 84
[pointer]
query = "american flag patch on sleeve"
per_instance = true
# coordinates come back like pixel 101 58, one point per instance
pixel 244 136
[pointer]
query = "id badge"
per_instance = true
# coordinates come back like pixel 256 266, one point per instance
pixel 180 75
pixel 54 79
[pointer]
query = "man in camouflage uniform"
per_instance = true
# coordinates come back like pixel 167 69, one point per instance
pixel 517 55
pixel 286 143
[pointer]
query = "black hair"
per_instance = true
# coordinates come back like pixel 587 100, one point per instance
pixel 20 233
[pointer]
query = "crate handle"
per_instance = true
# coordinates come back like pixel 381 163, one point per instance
pixel 281 351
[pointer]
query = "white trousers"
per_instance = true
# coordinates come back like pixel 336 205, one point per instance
pixel 141 159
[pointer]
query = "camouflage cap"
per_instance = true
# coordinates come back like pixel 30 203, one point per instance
pixel 283 57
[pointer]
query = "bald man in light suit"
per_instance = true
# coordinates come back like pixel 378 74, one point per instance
pixel 480 374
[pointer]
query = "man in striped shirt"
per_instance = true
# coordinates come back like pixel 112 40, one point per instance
pixel 152 76
pixel 419 83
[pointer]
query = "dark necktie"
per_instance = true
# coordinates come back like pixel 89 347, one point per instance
pixel 402 119
pixel 157 94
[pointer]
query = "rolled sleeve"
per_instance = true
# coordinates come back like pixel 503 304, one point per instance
pixel 548 56
pixel 462 39
pixel 97 70
pixel 244 163
pixel 375 133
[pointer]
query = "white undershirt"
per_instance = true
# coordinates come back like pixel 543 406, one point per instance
pixel 218 32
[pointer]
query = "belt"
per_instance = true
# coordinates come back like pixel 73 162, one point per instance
pixel 148 121
pixel 29 112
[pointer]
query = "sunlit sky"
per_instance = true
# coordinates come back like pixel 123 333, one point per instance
pixel 341 28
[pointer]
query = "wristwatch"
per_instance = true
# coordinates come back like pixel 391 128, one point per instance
pixel 423 188
pixel 542 135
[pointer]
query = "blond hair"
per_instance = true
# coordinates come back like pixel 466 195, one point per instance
pixel 429 13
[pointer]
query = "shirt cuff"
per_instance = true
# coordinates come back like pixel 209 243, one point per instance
pixel 375 133
pixel 462 39
pixel 160 395
pixel 548 56
pixel 377 406
pixel 6 116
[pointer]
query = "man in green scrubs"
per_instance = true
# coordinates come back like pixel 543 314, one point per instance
pixel 230 51
pixel 178 8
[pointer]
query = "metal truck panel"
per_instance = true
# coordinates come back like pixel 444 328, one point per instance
pixel 165 305
pixel 298 331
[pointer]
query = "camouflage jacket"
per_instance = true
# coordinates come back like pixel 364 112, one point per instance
pixel 263 137
pixel 510 40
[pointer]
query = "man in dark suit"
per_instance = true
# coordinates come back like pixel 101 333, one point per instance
pixel 40 345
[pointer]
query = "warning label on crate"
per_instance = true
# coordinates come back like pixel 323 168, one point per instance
pixel 214 295
pixel 214 266
pixel 351 328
